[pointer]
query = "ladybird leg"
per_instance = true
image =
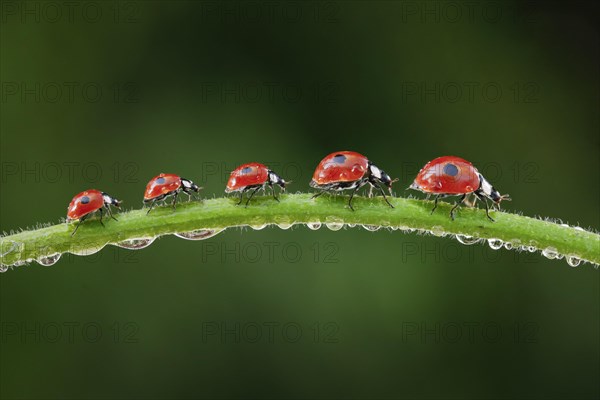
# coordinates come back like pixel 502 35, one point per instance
pixel 352 195
pixel 487 211
pixel 101 214
pixel 241 197
pixel 467 200
pixel 76 227
pixel 487 208
pixel 385 197
pixel 435 204
pixel 79 223
pixel 496 206
pixel 110 214
pixel 273 189
pixel 151 205
pixel 314 196
pixel 252 194
pixel 175 199
pixel 462 198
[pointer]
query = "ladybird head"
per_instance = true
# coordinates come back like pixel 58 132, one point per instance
pixel 108 200
pixel 497 198
pixel 189 186
pixel 275 179
pixel 380 176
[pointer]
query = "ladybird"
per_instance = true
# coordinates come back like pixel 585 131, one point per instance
pixel 454 176
pixel 348 170
pixel 86 203
pixel 164 185
pixel 253 176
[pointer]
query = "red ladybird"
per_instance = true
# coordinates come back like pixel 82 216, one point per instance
pixel 454 176
pixel 165 185
pixel 86 203
pixel 348 170
pixel 253 176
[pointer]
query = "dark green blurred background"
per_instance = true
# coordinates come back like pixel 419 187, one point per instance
pixel 108 94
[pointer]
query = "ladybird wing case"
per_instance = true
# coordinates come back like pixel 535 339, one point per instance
pixel 448 175
pixel 162 184
pixel 341 166
pixel 84 203
pixel 245 175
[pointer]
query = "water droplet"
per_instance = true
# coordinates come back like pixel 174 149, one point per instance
pixel 200 234
pixel 573 261
pixel 285 226
pixel 49 260
pixel 3 269
pixel 313 226
pixel 508 246
pixel 495 243
pixel 351 225
pixel 394 228
pixel 550 253
pixel 371 228
pixel 19 263
pixel 258 227
pixel 468 240
pixel 334 226
pixel 531 249
pixel 578 228
pixel 135 244
pixel 525 248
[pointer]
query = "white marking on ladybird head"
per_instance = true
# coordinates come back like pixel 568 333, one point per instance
pixel 110 200
pixel 277 180
pixel 376 172
pixel 486 187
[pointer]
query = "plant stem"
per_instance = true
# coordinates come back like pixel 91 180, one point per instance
pixel 221 213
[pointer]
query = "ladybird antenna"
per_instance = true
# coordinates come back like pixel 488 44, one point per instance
pixel 504 197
